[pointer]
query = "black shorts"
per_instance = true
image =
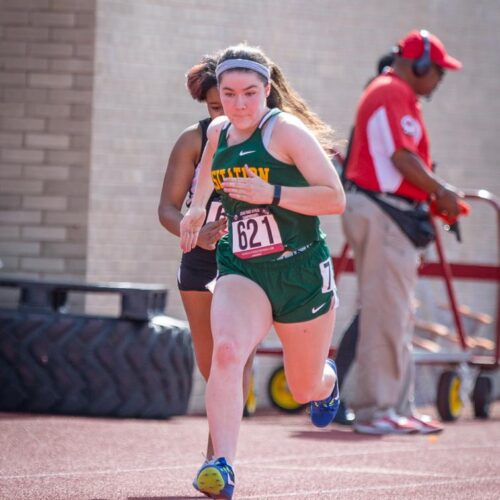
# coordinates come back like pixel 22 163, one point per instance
pixel 198 268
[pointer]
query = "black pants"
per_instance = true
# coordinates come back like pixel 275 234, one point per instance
pixel 347 350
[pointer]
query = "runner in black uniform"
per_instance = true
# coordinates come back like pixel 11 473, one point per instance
pixel 198 268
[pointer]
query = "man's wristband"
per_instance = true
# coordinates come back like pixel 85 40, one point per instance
pixel 439 191
pixel 276 195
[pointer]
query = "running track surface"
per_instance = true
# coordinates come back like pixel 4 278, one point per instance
pixel 280 457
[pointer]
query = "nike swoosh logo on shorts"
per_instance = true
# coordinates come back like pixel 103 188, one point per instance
pixel 243 153
pixel 314 310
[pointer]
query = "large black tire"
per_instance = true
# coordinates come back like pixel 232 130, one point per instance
pixel 448 402
pixel 76 365
pixel 482 396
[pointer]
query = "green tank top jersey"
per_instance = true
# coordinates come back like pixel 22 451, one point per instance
pixel 260 232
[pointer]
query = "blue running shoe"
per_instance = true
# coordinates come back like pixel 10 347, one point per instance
pixel 323 412
pixel 215 479
pixel 195 481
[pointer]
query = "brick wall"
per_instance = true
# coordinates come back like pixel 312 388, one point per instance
pixel 58 220
pixel 46 79
pixel 327 50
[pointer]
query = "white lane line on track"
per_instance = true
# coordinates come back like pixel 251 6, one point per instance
pixel 257 461
pixel 366 489
pixel 355 470
pixel 44 475
pixel 333 468
pixel 427 447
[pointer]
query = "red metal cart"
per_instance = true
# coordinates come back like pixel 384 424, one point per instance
pixel 451 396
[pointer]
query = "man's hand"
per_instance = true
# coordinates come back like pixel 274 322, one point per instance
pixel 412 168
pixel 447 203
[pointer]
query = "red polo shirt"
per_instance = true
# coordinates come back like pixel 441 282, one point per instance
pixel 388 119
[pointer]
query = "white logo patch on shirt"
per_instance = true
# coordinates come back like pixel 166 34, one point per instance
pixel 411 127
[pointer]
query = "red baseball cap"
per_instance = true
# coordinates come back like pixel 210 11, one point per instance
pixel 412 47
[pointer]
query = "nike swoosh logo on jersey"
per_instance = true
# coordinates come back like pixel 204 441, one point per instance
pixel 316 309
pixel 243 153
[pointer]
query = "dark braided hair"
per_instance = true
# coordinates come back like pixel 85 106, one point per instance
pixel 201 78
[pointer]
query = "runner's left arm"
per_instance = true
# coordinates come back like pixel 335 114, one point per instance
pixel 193 220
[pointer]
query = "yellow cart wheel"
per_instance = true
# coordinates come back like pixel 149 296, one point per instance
pixel 280 395
pixel 449 401
pixel 251 403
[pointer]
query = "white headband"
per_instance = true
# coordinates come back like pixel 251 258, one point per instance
pixel 242 64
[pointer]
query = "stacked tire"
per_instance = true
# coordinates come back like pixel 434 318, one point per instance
pixel 53 362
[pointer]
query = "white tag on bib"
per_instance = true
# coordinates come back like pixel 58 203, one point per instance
pixel 215 212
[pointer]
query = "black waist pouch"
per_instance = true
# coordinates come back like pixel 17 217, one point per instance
pixel 414 222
